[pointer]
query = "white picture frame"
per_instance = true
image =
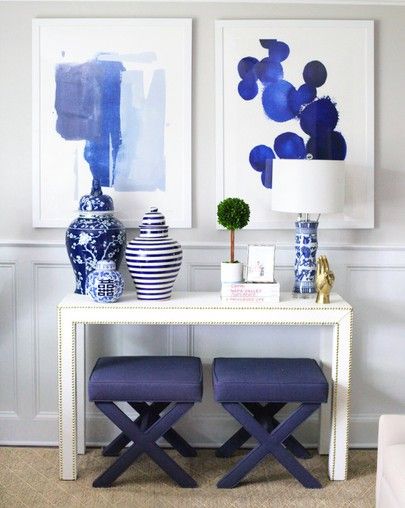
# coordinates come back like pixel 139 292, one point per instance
pixel 150 48
pixel 260 263
pixel 347 49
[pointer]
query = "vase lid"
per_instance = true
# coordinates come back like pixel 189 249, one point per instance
pixel 96 201
pixel 153 218
pixel 105 265
pixel 153 224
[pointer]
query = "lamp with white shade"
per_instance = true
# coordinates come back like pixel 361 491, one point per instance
pixel 307 186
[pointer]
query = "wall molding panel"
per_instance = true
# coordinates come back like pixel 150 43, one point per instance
pixel 8 341
pixel 34 278
pixel 193 270
pixel 39 274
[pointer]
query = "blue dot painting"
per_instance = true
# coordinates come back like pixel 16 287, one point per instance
pixel 315 115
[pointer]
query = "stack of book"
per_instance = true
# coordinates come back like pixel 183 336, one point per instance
pixel 255 292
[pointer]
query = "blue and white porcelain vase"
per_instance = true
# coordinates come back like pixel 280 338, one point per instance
pixel 153 258
pixel 105 284
pixel 95 235
pixel 306 244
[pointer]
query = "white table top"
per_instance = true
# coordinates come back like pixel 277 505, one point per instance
pixel 206 300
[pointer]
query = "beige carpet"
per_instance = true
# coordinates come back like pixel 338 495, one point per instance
pixel 29 477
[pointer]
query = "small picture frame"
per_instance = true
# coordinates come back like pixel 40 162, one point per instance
pixel 260 263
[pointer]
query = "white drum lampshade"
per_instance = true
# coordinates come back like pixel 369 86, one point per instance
pixel 308 186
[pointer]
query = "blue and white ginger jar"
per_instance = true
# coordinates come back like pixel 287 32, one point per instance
pixel 153 258
pixel 94 236
pixel 105 284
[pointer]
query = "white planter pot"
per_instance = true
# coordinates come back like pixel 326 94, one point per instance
pixel 231 272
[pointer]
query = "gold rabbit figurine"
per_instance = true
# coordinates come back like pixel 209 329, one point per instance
pixel 324 280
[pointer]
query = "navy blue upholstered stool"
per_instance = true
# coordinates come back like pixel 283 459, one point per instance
pixel 149 384
pixel 253 390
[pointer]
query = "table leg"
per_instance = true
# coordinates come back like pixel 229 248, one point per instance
pixel 81 388
pixel 325 412
pixel 341 367
pixel 67 396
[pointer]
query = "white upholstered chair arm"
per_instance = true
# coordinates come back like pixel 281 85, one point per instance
pixel 391 432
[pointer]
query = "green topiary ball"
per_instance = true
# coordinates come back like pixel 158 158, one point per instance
pixel 233 213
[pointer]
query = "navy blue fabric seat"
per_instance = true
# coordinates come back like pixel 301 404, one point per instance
pixel 253 390
pixel 269 379
pixel 151 378
pixel 161 389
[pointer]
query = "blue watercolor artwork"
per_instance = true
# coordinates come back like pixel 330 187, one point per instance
pixel 105 104
pixel 281 101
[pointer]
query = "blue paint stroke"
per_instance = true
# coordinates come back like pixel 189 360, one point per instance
pixel 328 146
pixel 77 101
pixel 101 151
pixel 99 102
pixel 278 50
pixel 299 98
pixel 269 71
pixel 319 117
pixel 246 67
pixel 141 164
pixel 314 73
pixel 290 146
pixel 281 102
pixel 261 159
pixel 87 102
pixel 275 101
pixel 248 89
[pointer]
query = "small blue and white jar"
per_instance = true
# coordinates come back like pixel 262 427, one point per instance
pixel 153 259
pixel 105 284
pixel 306 244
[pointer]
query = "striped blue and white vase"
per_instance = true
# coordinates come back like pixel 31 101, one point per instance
pixel 153 258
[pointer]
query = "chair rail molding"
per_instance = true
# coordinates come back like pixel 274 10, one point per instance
pixel 209 245
pixel 324 2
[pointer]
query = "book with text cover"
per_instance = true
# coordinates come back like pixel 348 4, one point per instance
pixel 251 292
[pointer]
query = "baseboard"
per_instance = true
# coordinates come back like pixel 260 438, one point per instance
pixel 364 431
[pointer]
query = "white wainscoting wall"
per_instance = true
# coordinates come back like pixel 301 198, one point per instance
pixel 34 277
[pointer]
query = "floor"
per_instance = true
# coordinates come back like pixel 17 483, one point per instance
pixel 29 477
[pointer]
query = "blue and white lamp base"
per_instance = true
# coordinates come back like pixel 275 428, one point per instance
pixel 306 245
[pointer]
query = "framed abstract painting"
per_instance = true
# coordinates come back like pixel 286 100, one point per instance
pixel 112 106
pixel 295 89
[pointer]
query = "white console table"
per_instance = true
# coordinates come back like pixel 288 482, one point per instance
pixel 199 308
